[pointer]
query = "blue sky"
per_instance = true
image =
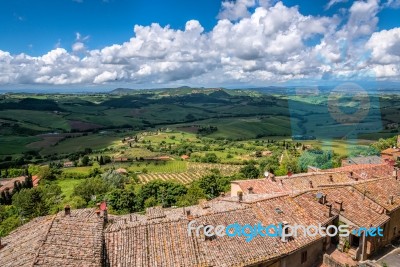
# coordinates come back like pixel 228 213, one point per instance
pixel 36 27
pixel 211 43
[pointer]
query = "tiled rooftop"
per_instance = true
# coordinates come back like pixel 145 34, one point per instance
pixel 22 245
pixel 159 237
pixel 305 181
pixel 380 192
pixel 56 240
pixel 355 207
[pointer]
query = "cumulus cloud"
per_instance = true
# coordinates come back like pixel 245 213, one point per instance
pixel 79 45
pixel 270 43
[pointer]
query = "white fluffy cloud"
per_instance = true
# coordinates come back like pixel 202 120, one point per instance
pixel 272 43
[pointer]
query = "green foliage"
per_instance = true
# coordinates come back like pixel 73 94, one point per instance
pixel 165 193
pixel 85 160
pixel 9 224
pixel 76 202
pixel 316 158
pixel 51 195
pixel 114 179
pixel 250 171
pixel 363 151
pixel 33 169
pixel 48 174
pixel 208 129
pixel 123 200
pixel 383 144
pixel 8 219
pixel 194 193
pixel 92 187
pixel 30 203
pixel 270 164
pixel 95 170
pixel 212 184
pixel 210 158
pixel 151 202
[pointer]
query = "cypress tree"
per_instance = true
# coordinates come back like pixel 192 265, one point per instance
pixel 8 197
pixel 28 181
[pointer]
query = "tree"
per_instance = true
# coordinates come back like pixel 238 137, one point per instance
pixel 95 170
pixel 47 173
pixel 30 203
pixel 250 171
pixel 123 200
pixel 210 158
pixel 165 193
pixel 210 184
pixel 85 161
pixel 270 164
pixel 114 179
pixel 194 193
pixel 316 158
pixel 382 144
pixel 51 194
pixel 91 187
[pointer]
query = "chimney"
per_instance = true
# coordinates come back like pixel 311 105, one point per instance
pixel 240 196
pixel 311 184
pixel 103 210
pixel 323 199
pixel 273 177
pixel 395 172
pixel 285 239
pixel 391 200
pixel 330 210
pixel 330 178
pixel 351 175
pixel 208 238
pixel 250 190
pixel 340 204
pixel 67 210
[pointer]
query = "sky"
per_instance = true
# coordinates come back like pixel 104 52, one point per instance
pixel 158 43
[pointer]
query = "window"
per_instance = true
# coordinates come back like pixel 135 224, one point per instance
pixel 303 257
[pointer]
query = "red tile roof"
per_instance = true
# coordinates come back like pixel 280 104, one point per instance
pixel 380 192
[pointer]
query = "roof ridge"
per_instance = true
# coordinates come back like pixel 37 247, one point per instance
pixel 43 240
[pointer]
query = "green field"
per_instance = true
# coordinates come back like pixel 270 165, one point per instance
pixel 341 147
pixel 45 119
pixel 67 186
pixel 171 166
pixel 237 114
pixel 71 145
pixel 10 145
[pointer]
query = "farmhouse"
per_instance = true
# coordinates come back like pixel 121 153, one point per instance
pixel 68 164
pixel 185 157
